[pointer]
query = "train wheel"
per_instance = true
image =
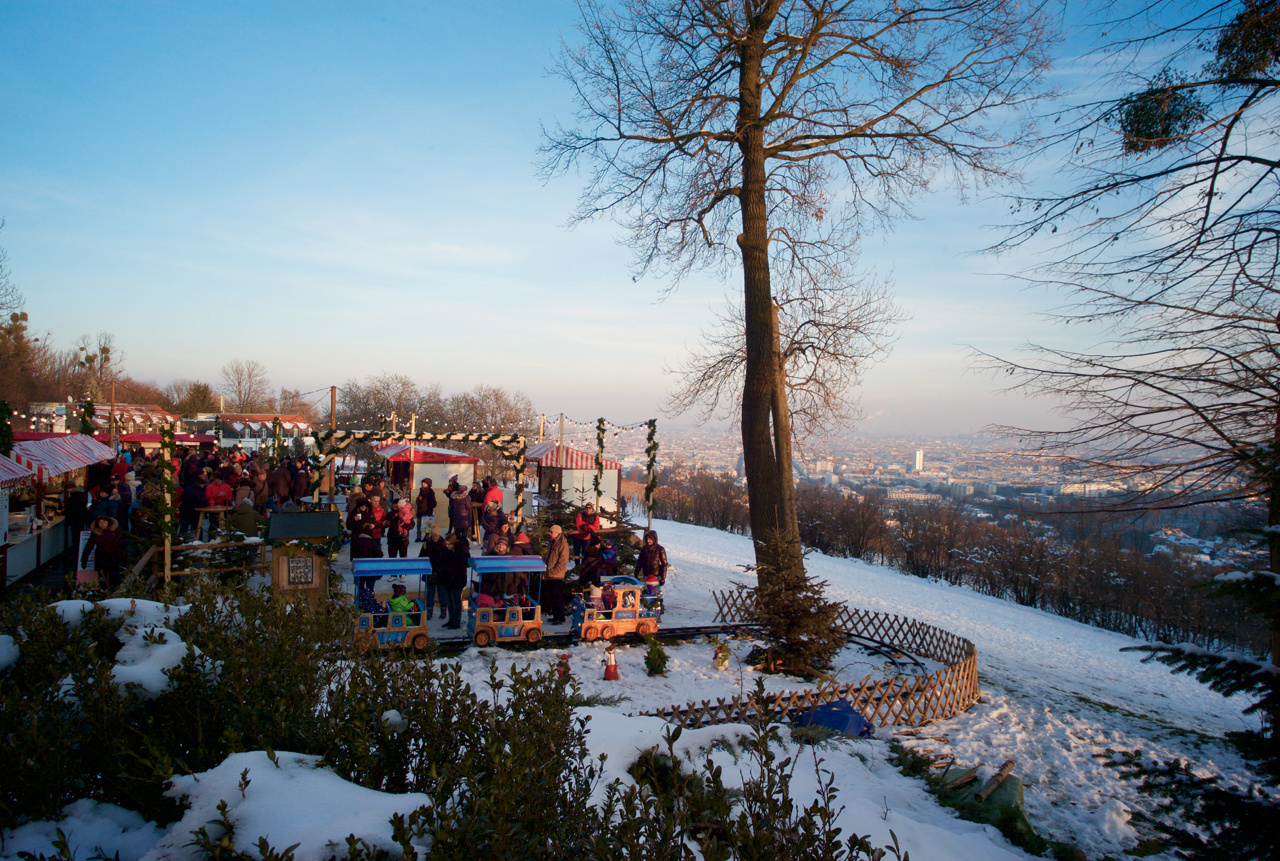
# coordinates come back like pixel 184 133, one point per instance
pixel 589 632
pixel 533 635
pixel 644 629
pixel 419 641
pixel 483 637
pixel 607 632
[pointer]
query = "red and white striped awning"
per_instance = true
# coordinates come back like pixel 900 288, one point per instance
pixel 12 474
pixel 52 457
pixel 563 457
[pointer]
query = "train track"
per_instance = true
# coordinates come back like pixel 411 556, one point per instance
pixel 903 663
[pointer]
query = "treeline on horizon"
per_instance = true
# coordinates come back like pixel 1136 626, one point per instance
pixel 1092 571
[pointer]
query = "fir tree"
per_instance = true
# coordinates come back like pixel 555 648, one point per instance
pixel 6 429
pixel 797 622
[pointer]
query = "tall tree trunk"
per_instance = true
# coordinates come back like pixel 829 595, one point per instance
pixel 788 524
pixel 771 497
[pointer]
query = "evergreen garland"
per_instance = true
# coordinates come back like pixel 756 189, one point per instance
pixel 86 419
pixel 595 481
pixel 651 479
pixel 277 437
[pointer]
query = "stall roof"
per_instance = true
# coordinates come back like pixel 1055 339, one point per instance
pixel 422 453
pixel 563 457
pixel 288 525
pixel 180 438
pixel 12 474
pixel 53 457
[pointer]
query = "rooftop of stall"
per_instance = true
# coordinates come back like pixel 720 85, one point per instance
pixel 299 570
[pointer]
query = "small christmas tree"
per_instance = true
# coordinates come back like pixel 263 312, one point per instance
pixel 86 418
pixel 655 660
pixel 797 622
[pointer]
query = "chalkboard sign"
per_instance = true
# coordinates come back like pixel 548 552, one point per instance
pixel 302 570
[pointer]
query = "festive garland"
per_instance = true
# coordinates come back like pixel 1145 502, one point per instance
pixel 511 446
pixel 86 419
pixel 651 480
pixel 329 549
pixel 168 448
pixel 277 437
pixel 595 480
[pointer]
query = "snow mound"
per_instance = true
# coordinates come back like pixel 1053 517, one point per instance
pixel 8 652
pixel 292 800
pixel 92 829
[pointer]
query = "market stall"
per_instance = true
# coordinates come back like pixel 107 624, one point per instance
pixel 570 474
pixel 50 461
pixel 11 475
pixel 412 462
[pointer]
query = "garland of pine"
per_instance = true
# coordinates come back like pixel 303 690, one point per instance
pixel 511 446
pixel 168 448
pixel 277 438
pixel 596 479
pixel 651 478
pixel 86 419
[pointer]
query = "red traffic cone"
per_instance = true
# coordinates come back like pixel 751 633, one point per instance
pixel 610 665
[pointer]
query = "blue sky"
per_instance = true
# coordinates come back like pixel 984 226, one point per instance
pixel 340 189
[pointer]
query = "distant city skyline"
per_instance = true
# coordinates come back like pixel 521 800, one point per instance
pixel 338 191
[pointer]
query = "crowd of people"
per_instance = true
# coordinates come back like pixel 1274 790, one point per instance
pixel 119 497
pixel 475 515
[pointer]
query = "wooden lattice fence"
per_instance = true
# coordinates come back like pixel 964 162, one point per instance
pixel 893 701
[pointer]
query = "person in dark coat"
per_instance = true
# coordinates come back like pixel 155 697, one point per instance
pixel 364 545
pixel 279 486
pixel 106 541
pixel 460 513
pixel 652 560
pixel 245 520
pixel 193 497
pixel 592 561
pixel 453 576
pixel 434 550
pixel 77 510
pixel 426 506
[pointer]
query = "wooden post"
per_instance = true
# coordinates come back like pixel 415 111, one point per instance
pixel 542 426
pixel 333 425
pixel 167 453
pixel 111 422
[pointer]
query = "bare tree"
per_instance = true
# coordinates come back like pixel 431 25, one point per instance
pixel 246 386
pixel 98 363
pixel 369 405
pixel 1171 240
pixel 766 134
pixel 10 295
pixel 829 336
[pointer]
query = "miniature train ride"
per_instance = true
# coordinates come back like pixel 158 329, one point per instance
pixel 501 608
pixel 390 629
pixel 504 605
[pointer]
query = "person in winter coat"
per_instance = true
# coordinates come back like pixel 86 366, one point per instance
pixel 500 535
pixel 245 520
pixel 364 545
pixel 193 497
pixel 301 482
pixel 244 493
pixel 460 513
pixel 586 524
pixel 557 560
pixel 106 542
pixel 652 562
pixel 426 507
pixel 218 492
pixel 77 509
pixel 399 528
pixel 493 493
pixel 124 506
pixel 433 549
pixel 279 486
pixel 592 562
pixel 453 576
pixel 491 519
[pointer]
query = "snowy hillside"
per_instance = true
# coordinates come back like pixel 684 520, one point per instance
pixel 1056 695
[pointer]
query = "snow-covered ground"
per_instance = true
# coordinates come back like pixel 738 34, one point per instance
pixel 1056 695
